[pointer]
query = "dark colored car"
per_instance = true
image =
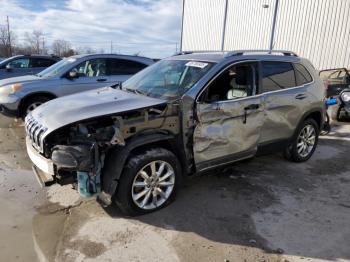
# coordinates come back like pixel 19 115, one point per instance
pixel 25 65
pixel 337 82
pixel 337 79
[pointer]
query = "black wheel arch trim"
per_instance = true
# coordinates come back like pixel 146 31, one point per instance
pixel 309 113
pixel 120 154
pixel 38 93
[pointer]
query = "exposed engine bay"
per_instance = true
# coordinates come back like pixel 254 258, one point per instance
pixel 78 151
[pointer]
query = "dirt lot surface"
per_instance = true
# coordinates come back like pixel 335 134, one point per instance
pixel 265 209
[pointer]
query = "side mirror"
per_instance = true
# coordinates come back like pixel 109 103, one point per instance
pixel 73 75
pixel 9 68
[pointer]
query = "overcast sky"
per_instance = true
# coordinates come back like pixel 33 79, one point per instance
pixel 151 27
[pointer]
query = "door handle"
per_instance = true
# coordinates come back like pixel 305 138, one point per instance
pixel 250 107
pixel 101 80
pixel 300 96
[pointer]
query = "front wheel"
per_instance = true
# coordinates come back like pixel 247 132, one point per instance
pixel 304 142
pixel 149 182
pixel 32 104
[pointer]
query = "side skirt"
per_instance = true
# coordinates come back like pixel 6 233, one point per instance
pixel 273 146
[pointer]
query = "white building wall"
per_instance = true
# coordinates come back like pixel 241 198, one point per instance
pixel 315 29
pixel 203 24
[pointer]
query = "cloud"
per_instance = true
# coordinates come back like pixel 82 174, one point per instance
pixel 151 27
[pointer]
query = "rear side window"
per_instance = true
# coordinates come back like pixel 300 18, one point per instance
pixel 124 67
pixel 41 62
pixel 277 76
pixel 302 75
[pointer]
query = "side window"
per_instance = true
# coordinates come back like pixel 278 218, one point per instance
pixel 277 76
pixel 91 68
pixel 239 81
pixel 19 63
pixel 302 75
pixel 41 62
pixel 124 67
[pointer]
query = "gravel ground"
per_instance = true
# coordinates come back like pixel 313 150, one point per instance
pixel 265 209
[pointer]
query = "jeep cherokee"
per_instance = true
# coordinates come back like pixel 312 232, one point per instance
pixel 192 112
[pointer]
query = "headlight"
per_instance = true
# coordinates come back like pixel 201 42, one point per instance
pixel 345 96
pixel 10 89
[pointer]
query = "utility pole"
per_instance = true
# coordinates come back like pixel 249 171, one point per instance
pixel 182 24
pixel 111 46
pixel 43 43
pixel 273 26
pixel 224 27
pixel 9 36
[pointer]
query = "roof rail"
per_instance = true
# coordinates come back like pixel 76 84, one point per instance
pixel 198 51
pixel 242 52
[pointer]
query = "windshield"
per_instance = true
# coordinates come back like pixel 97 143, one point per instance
pixel 167 78
pixel 4 61
pixel 56 68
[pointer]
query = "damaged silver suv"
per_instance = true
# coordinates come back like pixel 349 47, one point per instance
pixel 186 114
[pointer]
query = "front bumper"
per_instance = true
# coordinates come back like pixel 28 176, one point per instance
pixel 7 112
pixel 43 167
pixel 9 105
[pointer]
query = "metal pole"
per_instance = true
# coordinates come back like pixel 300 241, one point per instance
pixel 182 24
pixel 224 27
pixel 9 36
pixel 273 26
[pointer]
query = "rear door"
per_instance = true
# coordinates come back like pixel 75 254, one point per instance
pixel 92 74
pixel 120 70
pixel 229 117
pixel 286 99
pixel 38 64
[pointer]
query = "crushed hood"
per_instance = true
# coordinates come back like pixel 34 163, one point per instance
pixel 74 108
pixel 19 79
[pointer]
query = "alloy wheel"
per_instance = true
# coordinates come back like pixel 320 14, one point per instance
pixel 306 141
pixel 32 106
pixel 153 185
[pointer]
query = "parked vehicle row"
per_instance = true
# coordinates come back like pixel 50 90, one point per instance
pixel 134 143
pixel 21 95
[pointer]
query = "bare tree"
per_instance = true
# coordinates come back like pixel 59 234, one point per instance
pixel 85 50
pixel 36 42
pixel 6 45
pixel 62 48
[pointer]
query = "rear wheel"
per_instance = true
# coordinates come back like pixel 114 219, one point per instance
pixel 33 103
pixel 304 142
pixel 149 182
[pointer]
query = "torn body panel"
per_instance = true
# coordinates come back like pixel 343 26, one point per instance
pixel 227 128
pixel 78 151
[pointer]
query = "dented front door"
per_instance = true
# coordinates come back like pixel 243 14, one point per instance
pixel 227 131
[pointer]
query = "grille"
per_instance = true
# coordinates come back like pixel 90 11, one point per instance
pixel 35 132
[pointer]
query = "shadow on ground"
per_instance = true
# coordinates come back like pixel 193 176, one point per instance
pixel 301 210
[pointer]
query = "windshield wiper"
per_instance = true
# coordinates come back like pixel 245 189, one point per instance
pixel 135 91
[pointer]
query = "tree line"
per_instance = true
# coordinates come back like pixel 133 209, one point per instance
pixel 34 43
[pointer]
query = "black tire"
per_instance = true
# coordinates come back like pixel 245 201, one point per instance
pixel 31 101
pixel 291 152
pixel 123 195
